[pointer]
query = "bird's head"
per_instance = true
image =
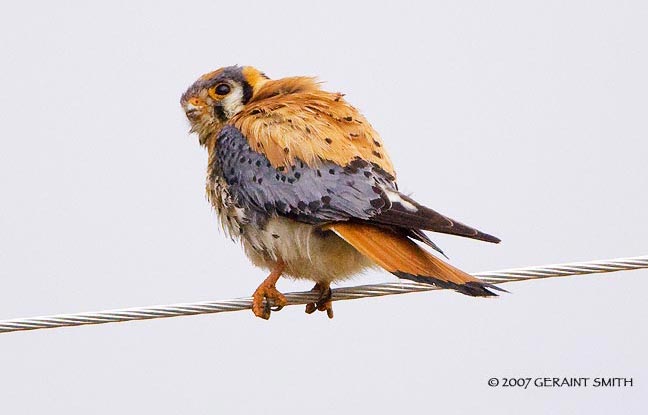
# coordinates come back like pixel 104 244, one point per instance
pixel 218 96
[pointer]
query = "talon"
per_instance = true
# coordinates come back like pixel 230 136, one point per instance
pixel 326 306
pixel 261 311
pixel 324 302
pixel 267 295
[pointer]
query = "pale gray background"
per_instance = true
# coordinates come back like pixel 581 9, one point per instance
pixel 525 119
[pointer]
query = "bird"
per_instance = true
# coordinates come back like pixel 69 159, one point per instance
pixel 304 182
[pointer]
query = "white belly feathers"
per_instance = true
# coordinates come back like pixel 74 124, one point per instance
pixel 307 252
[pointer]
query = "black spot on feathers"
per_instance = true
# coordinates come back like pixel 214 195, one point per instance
pixel 307 194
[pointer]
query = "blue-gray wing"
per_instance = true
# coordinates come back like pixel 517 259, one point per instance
pixel 312 195
pixel 360 191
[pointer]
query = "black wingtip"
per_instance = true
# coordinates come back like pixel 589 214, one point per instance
pixel 420 236
pixel 408 213
pixel 489 238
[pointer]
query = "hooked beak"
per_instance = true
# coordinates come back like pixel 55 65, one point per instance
pixel 193 108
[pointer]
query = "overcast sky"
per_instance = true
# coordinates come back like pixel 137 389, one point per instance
pixel 525 119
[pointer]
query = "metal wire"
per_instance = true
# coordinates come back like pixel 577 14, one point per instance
pixel 296 298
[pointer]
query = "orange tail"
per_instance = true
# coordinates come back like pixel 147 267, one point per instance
pixel 404 258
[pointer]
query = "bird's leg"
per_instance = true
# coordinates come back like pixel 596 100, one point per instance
pixel 268 292
pixel 324 302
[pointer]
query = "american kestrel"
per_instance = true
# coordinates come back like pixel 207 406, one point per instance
pixel 301 178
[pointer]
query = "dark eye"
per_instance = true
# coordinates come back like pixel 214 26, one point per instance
pixel 222 89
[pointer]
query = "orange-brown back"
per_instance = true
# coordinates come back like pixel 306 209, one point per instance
pixel 293 118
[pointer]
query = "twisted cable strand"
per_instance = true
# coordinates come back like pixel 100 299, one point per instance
pixel 296 298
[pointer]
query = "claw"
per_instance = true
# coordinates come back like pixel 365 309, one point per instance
pixel 311 308
pixel 324 302
pixel 265 314
pixel 326 306
pixel 267 295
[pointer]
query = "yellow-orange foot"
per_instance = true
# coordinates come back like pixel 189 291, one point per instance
pixel 324 302
pixel 267 294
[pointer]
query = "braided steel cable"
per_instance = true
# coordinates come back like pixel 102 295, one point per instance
pixel 296 298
